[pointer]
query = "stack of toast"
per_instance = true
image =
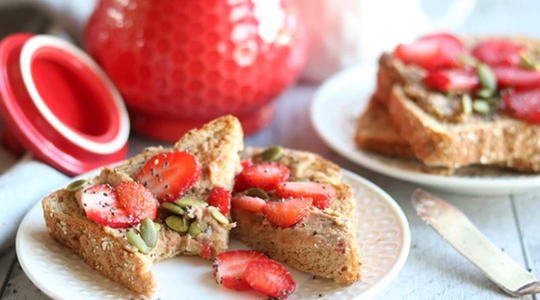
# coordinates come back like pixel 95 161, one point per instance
pixel 408 119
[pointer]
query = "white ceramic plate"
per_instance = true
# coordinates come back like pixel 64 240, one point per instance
pixel 340 101
pixel 383 234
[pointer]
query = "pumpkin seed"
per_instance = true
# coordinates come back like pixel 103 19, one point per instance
pixel 196 228
pixel 149 232
pixel 485 93
pixel 271 154
pixel 466 104
pixel 257 192
pixel 302 180
pixel 216 214
pixel 76 185
pixel 136 240
pixel 527 62
pixel 177 223
pixel 468 60
pixel 175 209
pixel 486 77
pixel 481 106
pixel 157 225
pixel 185 202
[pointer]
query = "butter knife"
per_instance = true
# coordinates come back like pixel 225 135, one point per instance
pixel 453 226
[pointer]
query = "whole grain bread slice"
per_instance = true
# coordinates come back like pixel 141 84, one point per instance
pixel 437 143
pixel 324 242
pixel 376 133
pixel 107 250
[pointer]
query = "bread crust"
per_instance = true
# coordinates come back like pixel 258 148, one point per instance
pixel 323 243
pixel 107 250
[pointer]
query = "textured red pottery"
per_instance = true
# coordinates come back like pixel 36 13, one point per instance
pixel 59 105
pixel 179 64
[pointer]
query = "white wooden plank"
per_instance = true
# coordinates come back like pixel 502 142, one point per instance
pixel 434 269
pixel 6 261
pixel 527 208
pixel 19 287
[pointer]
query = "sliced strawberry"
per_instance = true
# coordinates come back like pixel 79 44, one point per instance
pixel 517 77
pixel 220 197
pixel 229 268
pixel 286 213
pixel 524 105
pixel 246 163
pixel 455 80
pixel 101 205
pixel 498 52
pixel 321 194
pixel 265 175
pixel 248 203
pixel 137 200
pixel 432 52
pixel 270 278
pixel 169 175
pixel 240 184
pixel 206 250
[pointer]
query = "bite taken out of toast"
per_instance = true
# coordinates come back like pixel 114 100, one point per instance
pixel 472 104
pixel 293 206
pixel 121 229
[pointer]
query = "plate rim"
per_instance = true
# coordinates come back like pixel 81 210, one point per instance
pixel 375 289
pixel 359 157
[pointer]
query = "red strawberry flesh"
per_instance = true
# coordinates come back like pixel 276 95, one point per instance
pixel 455 80
pixel 516 77
pixel 220 197
pixel 432 52
pixel 252 204
pixel 286 213
pixel 265 175
pixel 498 52
pixel 229 268
pixel 101 205
pixel 524 105
pixel 137 200
pixel 270 278
pixel 322 194
pixel 168 175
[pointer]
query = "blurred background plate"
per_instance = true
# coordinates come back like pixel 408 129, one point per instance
pixel 340 101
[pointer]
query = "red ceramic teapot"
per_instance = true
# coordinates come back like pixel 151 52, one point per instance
pixel 179 64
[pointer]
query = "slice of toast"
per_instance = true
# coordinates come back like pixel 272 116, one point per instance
pixel 436 143
pixel 324 242
pixel 107 250
pixel 375 132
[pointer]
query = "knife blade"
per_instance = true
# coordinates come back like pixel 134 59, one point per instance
pixel 453 226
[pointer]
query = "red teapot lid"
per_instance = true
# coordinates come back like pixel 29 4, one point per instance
pixel 59 104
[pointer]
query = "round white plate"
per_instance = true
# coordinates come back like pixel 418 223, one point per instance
pixel 383 234
pixel 341 100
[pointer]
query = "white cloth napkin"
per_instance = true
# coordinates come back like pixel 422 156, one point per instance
pixel 21 187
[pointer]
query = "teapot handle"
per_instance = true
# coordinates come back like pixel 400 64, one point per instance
pixel 458 12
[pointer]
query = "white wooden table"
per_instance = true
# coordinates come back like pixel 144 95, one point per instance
pixel 433 270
